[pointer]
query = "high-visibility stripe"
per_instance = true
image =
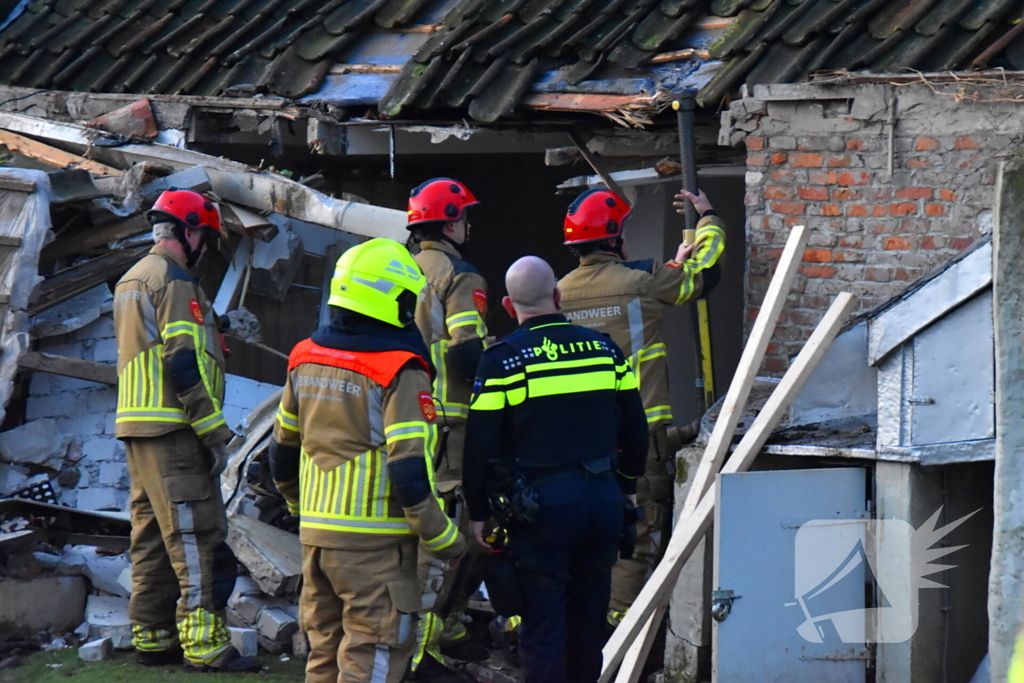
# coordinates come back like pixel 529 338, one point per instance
pixel 444 539
pixel 626 380
pixel 515 396
pixel 571 384
pixel 658 413
pixel 287 420
pixel 450 410
pixel 503 381
pixel 568 364
pixel 493 400
pixel 461 320
pixel 209 423
pixel 356 525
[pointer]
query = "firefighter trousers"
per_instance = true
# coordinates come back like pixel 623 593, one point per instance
pixel 654 492
pixel 183 572
pixel 358 609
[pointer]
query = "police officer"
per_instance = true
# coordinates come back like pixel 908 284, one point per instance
pixel 627 301
pixel 170 391
pixel 450 315
pixel 556 406
pixel 351 453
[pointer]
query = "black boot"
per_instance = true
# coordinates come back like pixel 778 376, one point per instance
pixel 230 662
pixel 169 657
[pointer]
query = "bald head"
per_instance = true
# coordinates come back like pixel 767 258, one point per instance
pixel 531 287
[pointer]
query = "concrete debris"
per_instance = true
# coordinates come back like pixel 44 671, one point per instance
pixel 244 640
pixel 272 556
pixel 72 561
pixel 44 603
pixel 107 572
pixel 51 560
pixel 133 120
pixel 12 478
pixel 56 644
pixel 276 624
pixel 274 265
pixel 244 325
pixel 97 650
pixel 108 617
pixel 39 442
pixel 300 645
pixel 72 314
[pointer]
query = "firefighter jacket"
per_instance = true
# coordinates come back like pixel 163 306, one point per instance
pixel 627 301
pixel 551 397
pixel 170 365
pixel 450 312
pixel 354 440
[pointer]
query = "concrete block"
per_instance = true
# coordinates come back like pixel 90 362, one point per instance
pixel 108 618
pixel 100 448
pixel 12 478
pixel 102 400
pixel 272 556
pixel 73 314
pixel 37 443
pixel 124 579
pixel 248 608
pixel 105 571
pixel 42 603
pixel 82 424
pixel 98 498
pixel 64 346
pixel 110 423
pixel 101 328
pixel 244 640
pixel 300 645
pixel 243 586
pixel 113 474
pixel 105 351
pixel 276 624
pixel 97 650
pixel 69 498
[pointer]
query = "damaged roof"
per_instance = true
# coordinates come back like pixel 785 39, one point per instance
pixel 488 56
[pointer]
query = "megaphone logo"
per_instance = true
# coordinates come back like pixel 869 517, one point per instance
pixel 890 553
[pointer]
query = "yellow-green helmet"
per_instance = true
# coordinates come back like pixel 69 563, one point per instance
pixel 379 279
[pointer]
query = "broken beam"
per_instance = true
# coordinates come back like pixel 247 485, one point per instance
pixel 68 367
pixel 609 182
pixel 75 280
pixel 86 239
pixel 16 185
pixel 19 144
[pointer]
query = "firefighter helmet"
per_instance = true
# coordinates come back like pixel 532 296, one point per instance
pixel 440 199
pixel 595 215
pixel 186 208
pixel 379 279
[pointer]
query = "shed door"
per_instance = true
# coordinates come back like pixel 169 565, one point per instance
pixel 954 377
pixel 787 597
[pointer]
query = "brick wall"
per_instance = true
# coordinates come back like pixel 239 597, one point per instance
pixel 820 156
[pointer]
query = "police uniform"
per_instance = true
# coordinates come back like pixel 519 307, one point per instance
pixel 170 392
pixel 351 453
pixel 557 405
pixel 627 301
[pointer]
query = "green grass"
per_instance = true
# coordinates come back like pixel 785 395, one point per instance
pixel 37 668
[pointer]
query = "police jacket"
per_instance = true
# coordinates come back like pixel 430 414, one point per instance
pixel 353 445
pixel 450 314
pixel 170 365
pixel 550 397
pixel 627 301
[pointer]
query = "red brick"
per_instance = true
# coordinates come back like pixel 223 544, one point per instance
pixel 967 143
pixel 879 210
pixel 831 210
pixel 904 274
pixel 822 177
pixel 914 193
pixel 813 194
pixel 851 242
pixel 817 255
pixel 947 195
pixel 844 194
pixel 782 176
pixel 756 160
pixel 878 274
pixel 959 243
pixel 779 158
pixel 800 160
pixel 892 243
pixel 771 349
pixel 928 243
pixel 916 162
pixel 902 209
pixel 819 271
pixel 794 208
pixel 924 144
pixel 848 178
pixel 751 199
pixel 779 192
pixel 775 366
pixel 838 161
pixel 966 164
pixel 855 145
pixel 856 210
pixel 755 143
pixel 792 221
pixel 935 209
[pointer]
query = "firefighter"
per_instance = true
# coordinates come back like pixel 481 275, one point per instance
pixel 556 423
pixel 351 453
pixel 170 391
pixel 450 315
pixel 627 300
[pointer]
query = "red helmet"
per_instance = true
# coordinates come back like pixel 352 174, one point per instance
pixel 440 199
pixel 185 207
pixel 595 215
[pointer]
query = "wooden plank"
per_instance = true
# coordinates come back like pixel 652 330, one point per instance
pixel 606 177
pixel 84 240
pixel 16 185
pixel 746 371
pixel 9 241
pixel 633 662
pixel 48 154
pixel 75 280
pixel 688 534
pixel 68 367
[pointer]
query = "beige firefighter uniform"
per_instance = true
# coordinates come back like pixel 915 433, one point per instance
pixel 627 301
pixel 349 418
pixel 450 311
pixel 170 388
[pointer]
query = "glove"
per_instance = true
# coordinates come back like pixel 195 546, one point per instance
pixel 220 460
